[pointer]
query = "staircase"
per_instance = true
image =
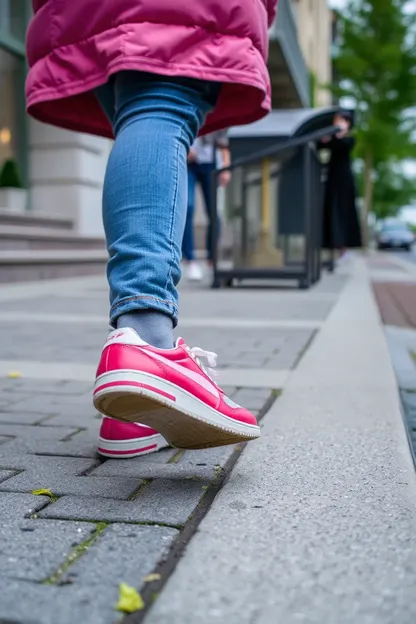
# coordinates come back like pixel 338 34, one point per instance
pixel 35 247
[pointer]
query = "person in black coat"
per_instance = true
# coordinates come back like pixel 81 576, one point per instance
pixel 341 227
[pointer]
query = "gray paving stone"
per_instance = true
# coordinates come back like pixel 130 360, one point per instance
pixel 167 502
pixel 6 474
pixel 22 418
pixel 74 418
pixel 253 348
pixel 33 550
pixel 123 468
pixel 6 400
pixel 136 466
pixel 79 444
pixel 229 390
pixel 48 405
pixel 122 553
pixel 161 457
pixel 201 464
pixel 32 603
pixel 38 432
pixel 252 398
pixel 252 304
pixel 71 448
pixel 207 457
pixel 22 387
pixel 58 343
pixel 16 506
pixel 108 487
pixel 47 466
pixel 82 304
pixel 238 362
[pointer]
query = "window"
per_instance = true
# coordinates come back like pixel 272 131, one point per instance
pixel 17 19
pixel 9 124
pixel 14 16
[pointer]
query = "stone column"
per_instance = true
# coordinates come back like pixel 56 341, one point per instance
pixel 66 171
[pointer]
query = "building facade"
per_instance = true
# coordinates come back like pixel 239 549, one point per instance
pixel 314 27
pixel 64 170
pixel 13 121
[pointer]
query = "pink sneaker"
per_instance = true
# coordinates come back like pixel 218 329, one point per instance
pixel 170 391
pixel 122 440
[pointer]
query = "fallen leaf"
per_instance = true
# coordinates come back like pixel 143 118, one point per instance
pixel 152 577
pixel 14 374
pixel 42 492
pixel 129 599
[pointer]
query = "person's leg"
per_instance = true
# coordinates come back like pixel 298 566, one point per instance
pixel 144 198
pixel 205 180
pixel 144 203
pixel 193 270
pixel 188 245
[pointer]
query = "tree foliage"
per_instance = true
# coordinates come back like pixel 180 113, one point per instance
pixel 393 189
pixel 376 68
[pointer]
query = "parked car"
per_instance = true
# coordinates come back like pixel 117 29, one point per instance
pixel 395 235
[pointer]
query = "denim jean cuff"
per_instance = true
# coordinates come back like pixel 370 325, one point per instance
pixel 143 302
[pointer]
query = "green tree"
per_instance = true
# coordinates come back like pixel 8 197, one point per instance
pixel 393 189
pixel 376 67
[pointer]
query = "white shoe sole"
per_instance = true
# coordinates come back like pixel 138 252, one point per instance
pixel 181 418
pixel 134 447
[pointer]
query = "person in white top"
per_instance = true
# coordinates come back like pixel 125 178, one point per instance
pixel 206 153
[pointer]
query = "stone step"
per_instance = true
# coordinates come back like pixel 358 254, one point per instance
pixel 30 219
pixel 16 237
pixel 30 265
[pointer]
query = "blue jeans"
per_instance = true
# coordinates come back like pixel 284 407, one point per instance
pixel 200 173
pixel 155 121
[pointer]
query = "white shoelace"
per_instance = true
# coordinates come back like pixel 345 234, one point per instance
pixel 196 353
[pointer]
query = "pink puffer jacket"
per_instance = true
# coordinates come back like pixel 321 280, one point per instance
pixel 73 46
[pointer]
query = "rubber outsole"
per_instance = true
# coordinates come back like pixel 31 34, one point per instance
pixel 125 449
pixel 180 427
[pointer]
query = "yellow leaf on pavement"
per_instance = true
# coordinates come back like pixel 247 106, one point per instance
pixel 14 374
pixel 129 599
pixel 42 492
pixel 152 577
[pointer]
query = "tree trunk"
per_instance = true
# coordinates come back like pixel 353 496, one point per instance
pixel 368 197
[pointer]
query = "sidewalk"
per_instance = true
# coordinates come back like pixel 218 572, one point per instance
pixel 396 297
pixel 314 524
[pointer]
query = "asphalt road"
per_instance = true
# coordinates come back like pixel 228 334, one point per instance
pixel 410 256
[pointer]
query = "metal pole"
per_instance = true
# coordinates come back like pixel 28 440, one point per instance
pixel 213 209
pixel 307 202
pixel 265 195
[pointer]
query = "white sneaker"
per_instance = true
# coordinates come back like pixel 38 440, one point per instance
pixel 194 272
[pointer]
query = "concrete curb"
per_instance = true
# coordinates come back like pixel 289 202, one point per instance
pixel 317 521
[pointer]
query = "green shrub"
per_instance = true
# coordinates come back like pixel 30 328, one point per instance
pixel 9 175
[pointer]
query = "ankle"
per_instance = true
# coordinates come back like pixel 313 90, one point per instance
pixel 154 327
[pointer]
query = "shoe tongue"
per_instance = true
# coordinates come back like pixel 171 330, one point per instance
pixel 179 342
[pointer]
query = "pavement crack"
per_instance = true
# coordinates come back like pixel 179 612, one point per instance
pixel 144 483
pixel 77 552
pixel 177 457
